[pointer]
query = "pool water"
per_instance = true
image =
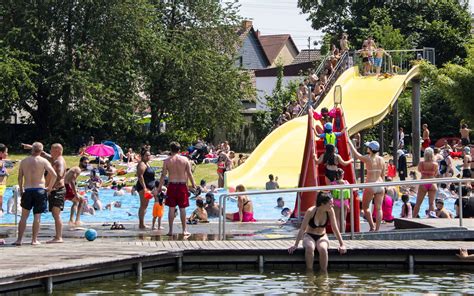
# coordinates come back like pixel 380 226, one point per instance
pixel 203 282
pixel 264 207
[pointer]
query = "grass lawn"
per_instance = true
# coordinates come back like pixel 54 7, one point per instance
pixel 202 171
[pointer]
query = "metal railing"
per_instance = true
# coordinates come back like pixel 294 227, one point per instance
pixel 337 71
pixel 223 197
pixel 400 61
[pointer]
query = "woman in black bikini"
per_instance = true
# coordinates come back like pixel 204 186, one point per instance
pixel 331 159
pixel 313 232
pixel 145 183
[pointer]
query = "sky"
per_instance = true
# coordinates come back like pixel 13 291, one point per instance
pixel 284 17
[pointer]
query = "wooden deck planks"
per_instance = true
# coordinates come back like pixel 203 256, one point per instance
pixel 32 260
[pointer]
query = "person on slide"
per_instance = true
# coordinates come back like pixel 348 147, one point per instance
pixel 331 160
pixel 375 173
pixel 325 116
pixel 428 169
pixel 329 136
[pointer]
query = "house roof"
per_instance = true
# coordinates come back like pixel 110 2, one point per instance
pixel 307 55
pixel 288 70
pixel 247 28
pixel 273 44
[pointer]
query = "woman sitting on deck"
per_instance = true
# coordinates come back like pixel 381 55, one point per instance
pixel 245 213
pixel 313 232
pixel 428 169
pixel 375 174
pixel 331 159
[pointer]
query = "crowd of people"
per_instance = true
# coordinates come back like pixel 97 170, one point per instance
pixel 314 86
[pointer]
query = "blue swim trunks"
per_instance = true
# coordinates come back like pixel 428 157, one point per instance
pixel 378 62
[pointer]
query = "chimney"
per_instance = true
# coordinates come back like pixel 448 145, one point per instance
pixel 246 24
pixel 258 33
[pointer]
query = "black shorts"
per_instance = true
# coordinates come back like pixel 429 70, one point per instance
pixel 36 199
pixel 466 173
pixel 365 60
pixel 56 199
pixel 464 141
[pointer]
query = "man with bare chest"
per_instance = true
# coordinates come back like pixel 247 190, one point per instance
pixel 178 169
pixel 34 190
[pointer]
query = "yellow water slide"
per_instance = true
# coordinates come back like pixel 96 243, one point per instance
pixel 365 101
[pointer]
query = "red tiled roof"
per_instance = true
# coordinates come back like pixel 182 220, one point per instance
pixel 273 44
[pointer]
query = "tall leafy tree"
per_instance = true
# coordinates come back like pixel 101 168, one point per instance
pixel 16 76
pixel 454 84
pixel 188 67
pixel 84 53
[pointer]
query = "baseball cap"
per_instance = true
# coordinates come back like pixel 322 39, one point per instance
pixel 373 145
pixel 467 150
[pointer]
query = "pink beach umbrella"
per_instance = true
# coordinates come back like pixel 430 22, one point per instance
pixel 100 150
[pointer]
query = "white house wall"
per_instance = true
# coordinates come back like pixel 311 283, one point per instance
pixel 265 86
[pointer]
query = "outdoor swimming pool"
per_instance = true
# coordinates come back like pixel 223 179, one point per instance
pixel 205 282
pixel 264 207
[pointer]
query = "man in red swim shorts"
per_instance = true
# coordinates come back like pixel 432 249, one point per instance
pixel 426 137
pixel 178 169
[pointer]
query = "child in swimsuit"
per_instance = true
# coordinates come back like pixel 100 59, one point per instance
pixel 199 214
pixel 331 160
pixel 325 116
pixel 406 207
pixel 245 213
pixel 338 199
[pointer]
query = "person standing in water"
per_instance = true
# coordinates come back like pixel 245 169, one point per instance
pixel 375 174
pixel 34 190
pixel 179 172
pixel 428 168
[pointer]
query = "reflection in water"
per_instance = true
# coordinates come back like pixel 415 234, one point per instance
pixel 234 282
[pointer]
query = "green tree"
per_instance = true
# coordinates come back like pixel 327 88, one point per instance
pixel 454 84
pixel 442 24
pixel 85 76
pixel 188 67
pixel 15 75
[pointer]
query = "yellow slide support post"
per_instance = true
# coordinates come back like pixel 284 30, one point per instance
pixel 366 100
